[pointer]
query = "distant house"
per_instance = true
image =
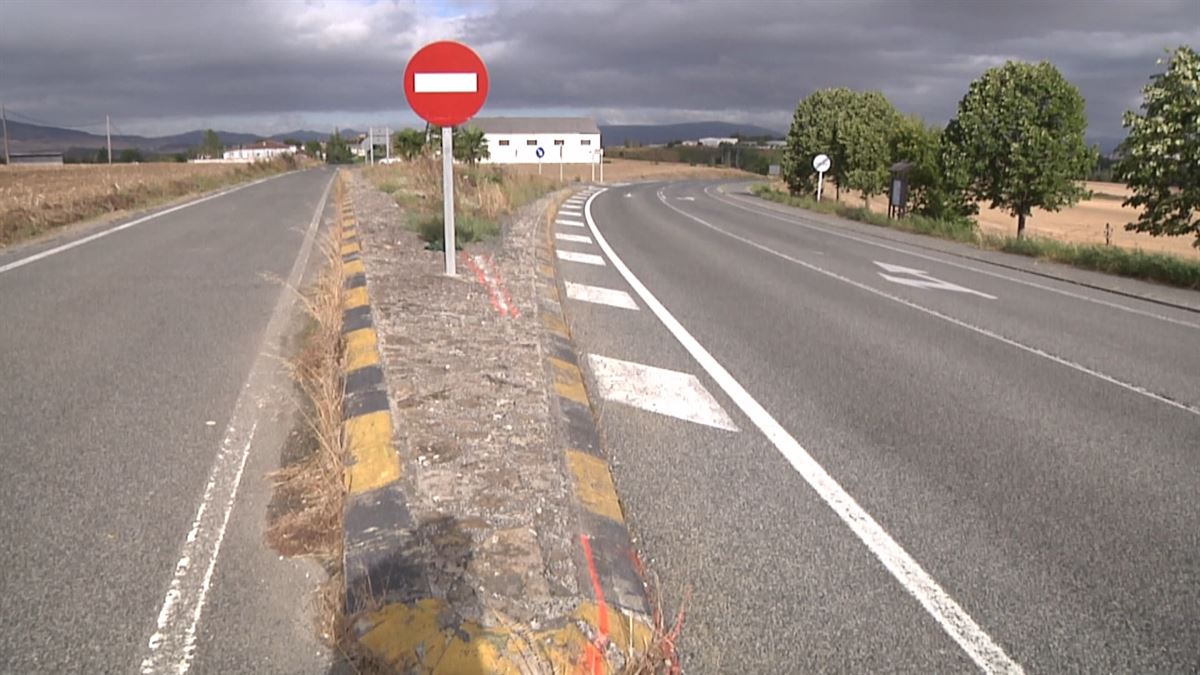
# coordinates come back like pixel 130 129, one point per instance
pixel 27 158
pixel 259 151
pixel 561 140
pixel 714 142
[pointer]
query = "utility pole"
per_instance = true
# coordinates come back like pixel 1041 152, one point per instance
pixel 108 135
pixel 4 117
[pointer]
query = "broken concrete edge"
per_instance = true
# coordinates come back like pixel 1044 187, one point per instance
pixel 608 562
pixel 393 615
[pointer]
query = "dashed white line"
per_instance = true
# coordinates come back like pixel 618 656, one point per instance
pixel 959 625
pixel 658 390
pixel 585 258
pixel 578 238
pixel 569 223
pixel 600 295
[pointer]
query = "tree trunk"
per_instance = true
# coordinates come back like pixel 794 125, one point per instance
pixel 1021 225
pixel 838 194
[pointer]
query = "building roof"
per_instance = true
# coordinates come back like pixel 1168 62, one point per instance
pixel 535 125
pixel 264 143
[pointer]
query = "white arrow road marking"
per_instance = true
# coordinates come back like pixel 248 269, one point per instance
pixel 585 258
pixel 600 295
pixel 445 83
pixel 924 280
pixel 662 391
pixel 578 238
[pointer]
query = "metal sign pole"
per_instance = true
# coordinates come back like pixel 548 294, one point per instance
pixel 820 183
pixel 448 196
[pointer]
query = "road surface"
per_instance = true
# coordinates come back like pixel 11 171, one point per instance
pixel 866 456
pixel 141 410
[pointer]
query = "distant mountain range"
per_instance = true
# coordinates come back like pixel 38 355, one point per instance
pixel 33 138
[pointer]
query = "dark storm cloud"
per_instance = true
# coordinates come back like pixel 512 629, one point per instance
pixel 638 61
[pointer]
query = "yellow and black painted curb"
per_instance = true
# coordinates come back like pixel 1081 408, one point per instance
pixel 609 564
pixel 396 617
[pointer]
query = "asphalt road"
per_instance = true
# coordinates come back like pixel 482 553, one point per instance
pixel 1027 446
pixel 125 361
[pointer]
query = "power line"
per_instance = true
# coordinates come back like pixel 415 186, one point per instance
pixel 33 120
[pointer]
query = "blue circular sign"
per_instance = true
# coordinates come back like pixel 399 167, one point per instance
pixel 541 152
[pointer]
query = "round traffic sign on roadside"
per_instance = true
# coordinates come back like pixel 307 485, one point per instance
pixel 446 83
pixel 540 152
pixel 821 163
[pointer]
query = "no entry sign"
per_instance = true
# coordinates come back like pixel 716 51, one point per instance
pixel 446 83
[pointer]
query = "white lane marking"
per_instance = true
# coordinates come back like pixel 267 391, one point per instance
pixel 172 646
pixel 570 212
pixel 600 295
pixel 125 226
pixel 445 83
pixel 568 222
pixel 1137 389
pixel 658 390
pixel 959 625
pixel 686 199
pixel 768 211
pixel 578 238
pixel 923 279
pixel 585 258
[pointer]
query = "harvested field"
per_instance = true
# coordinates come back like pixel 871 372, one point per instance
pixel 1080 224
pixel 35 199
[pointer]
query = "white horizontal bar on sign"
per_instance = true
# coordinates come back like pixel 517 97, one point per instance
pixel 445 83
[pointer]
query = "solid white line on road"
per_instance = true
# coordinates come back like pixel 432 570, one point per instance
pixel 1137 389
pixel 125 226
pixel 585 258
pixel 172 646
pixel 578 238
pixel 658 390
pixel 568 222
pixel 959 625
pixel 445 83
pixel 600 295
pixel 770 212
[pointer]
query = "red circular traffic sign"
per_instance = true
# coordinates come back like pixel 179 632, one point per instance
pixel 446 83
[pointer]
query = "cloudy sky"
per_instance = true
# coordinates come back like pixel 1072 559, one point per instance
pixel 267 66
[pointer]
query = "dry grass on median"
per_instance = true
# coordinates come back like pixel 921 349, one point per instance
pixel 35 199
pixel 309 490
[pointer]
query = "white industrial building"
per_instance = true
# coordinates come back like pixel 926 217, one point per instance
pixel 562 140
pixel 259 151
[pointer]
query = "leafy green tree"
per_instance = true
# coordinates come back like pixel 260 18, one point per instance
pixel 210 145
pixel 130 155
pixel 813 132
pixel 470 145
pixel 1018 136
pixel 933 190
pixel 852 128
pixel 409 143
pixel 863 137
pixel 313 148
pixel 102 156
pixel 1161 156
pixel 337 150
